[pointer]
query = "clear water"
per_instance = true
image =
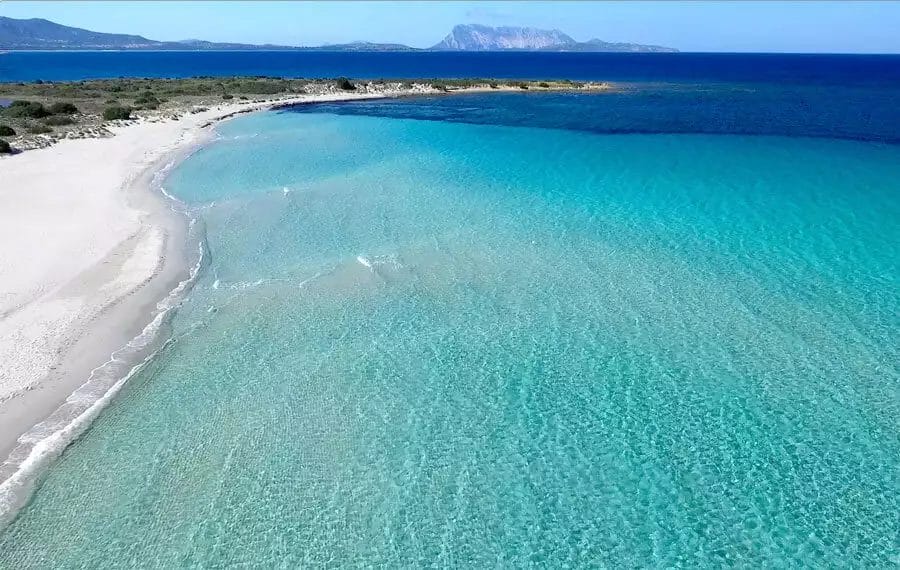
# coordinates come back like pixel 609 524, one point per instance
pixel 438 343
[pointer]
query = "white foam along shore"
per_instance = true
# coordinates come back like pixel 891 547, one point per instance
pixel 92 258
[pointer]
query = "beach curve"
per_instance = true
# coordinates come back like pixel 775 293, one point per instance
pixel 95 255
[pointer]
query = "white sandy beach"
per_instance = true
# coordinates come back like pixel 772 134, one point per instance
pixel 87 250
pixel 92 257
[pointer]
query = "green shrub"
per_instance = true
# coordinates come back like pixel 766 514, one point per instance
pixel 7 131
pixel 243 97
pixel 439 86
pixel 543 84
pixel 29 109
pixel 147 100
pixel 523 86
pixel 5 148
pixel 268 88
pixel 115 113
pixel 57 120
pixel 345 84
pixel 494 86
pixel 63 108
pixel 39 129
pixel 258 86
pixel 227 96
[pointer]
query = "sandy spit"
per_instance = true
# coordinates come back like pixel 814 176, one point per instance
pixel 89 249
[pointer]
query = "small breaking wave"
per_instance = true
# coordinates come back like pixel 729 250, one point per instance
pixel 43 443
pixel 372 263
pixel 248 284
pixel 309 280
pixel 38 447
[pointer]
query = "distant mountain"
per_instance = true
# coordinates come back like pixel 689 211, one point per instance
pixel 39 34
pixel 44 34
pixel 362 46
pixel 601 46
pixel 205 45
pixel 474 37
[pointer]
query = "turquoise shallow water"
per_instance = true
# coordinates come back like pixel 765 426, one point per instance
pixel 426 343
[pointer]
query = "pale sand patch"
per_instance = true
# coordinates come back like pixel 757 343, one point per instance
pixel 87 251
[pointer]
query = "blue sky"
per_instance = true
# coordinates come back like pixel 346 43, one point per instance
pixel 771 26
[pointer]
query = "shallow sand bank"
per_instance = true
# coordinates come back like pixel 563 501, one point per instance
pixel 88 249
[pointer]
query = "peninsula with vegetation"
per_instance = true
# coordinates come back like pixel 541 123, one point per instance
pixel 38 114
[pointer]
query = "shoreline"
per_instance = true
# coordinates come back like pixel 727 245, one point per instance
pixel 95 295
pixel 49 113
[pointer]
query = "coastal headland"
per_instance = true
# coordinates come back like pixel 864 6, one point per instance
pixel 93 255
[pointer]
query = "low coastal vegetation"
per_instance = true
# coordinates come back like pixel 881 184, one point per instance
pixel 147 100
pixel 41 112
pixel 59 120
pixel 35 118
pixel 38 129
pixel 62 108
pixel 26 109
pixel 116 113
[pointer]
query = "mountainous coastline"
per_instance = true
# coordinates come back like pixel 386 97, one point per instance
pixel 473 37
pixel 40 34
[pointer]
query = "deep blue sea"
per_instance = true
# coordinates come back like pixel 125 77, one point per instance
pixel 761 109
pixel 653 328
pixel 824 70
pixel 840 96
